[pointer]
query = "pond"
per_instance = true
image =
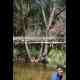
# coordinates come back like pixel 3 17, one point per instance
pixel 32 72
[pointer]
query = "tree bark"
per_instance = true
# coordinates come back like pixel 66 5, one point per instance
pixel 27 50
pixel 40 51
pixel 23 14
pixel 47 27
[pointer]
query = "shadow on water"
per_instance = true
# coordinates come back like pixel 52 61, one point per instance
pixel 31 72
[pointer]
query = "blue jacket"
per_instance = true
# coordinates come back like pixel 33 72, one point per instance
pixel 55 76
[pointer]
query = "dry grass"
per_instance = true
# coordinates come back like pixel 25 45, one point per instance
pixel 27 72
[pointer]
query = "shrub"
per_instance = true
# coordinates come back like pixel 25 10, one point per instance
pixel 57 56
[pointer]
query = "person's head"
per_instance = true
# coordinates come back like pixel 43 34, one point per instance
pixel 60 69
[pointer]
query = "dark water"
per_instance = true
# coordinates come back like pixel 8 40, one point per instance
pixel 31 72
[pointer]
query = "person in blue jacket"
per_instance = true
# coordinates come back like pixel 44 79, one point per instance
pixel 58 75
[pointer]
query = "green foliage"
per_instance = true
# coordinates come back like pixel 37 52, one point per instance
pixel 61 2
pixel 18 51
pixel 57 56
pixel 34 52
pixel 15 53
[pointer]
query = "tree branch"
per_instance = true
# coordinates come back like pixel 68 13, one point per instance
pixel 40 51
pixel 60 12
pixel 26 45
pixel 27 49
pixel 44 16
pixel 51 18
pixel 43 13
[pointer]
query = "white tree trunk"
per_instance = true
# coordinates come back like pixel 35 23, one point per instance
pixel 40 51
pixel 27 50
pixel 47 26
